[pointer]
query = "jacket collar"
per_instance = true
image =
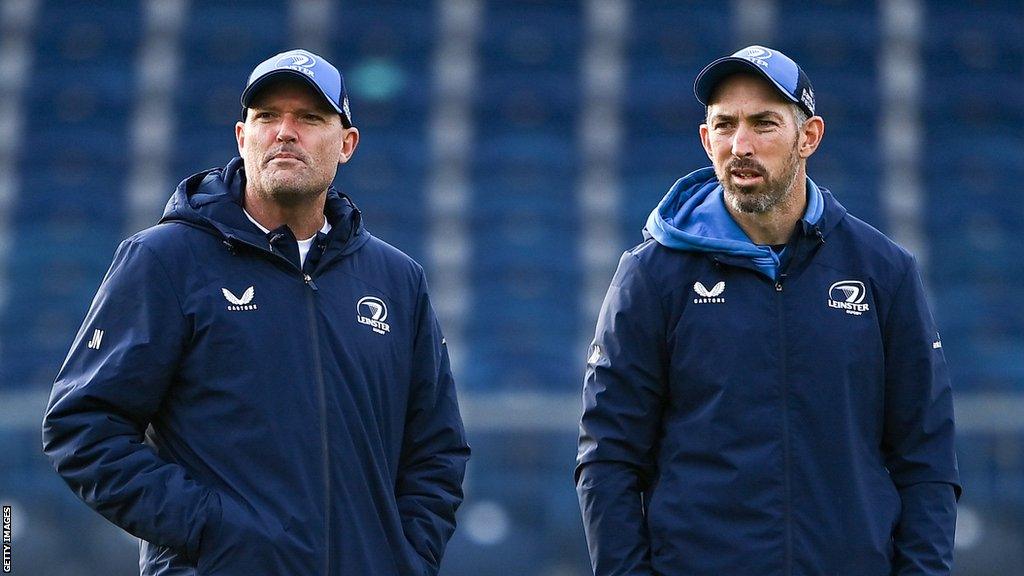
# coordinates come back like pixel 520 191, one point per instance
pixel 212 201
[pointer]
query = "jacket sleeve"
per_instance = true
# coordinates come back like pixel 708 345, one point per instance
pixel 918 435
pixel 623 393
pixel 111 384
pixel 434 449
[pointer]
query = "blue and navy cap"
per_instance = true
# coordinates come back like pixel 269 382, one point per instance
pixel 320 74
pixel 773 65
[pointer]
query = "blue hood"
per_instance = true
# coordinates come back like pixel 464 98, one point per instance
pixel 693 217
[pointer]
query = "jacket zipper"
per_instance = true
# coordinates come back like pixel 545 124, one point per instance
pixel 787 482
pixel 321 386
pixel 322 393
pixel 787 457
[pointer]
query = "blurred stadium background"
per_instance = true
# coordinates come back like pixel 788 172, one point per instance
pixel 514 148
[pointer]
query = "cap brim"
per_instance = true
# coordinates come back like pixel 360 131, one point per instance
pixel 713 73
pixel 256 85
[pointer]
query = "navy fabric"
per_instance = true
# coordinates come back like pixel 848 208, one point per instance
pixel 242 419
pixel 736 423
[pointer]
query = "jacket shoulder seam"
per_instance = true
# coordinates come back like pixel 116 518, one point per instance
pixel 648 283
pixel 895 301
pixel 163 268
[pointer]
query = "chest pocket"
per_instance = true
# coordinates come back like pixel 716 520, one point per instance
pixel 724 342
pixel 365 329
pixel 836 314
pixel 835 345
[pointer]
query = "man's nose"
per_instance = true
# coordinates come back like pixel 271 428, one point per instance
pixel 742 144
pixel 286 129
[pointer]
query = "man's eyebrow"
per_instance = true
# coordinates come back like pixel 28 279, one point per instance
pixel 310 110
pixel 765 114
pixel 721 116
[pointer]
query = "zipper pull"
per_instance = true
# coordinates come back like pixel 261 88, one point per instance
pixel 309 282
pixel 778 283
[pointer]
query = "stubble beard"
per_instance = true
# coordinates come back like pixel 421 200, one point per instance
pixel 287 192
pixel 289 187
pixel 764 197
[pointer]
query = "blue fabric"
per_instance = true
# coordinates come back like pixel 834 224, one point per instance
pixel 241 419
pixel 693 216
pixel 772 65
pixel 733 427
pixel 314 69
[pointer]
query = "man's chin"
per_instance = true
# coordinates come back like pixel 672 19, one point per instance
pixel 748 200
pixel 289 191
pixel 746 194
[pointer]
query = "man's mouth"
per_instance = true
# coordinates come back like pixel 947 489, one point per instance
pixel 745 175
pixel 285 156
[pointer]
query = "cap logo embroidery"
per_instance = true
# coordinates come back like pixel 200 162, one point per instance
pixel 807 97
pixel 758 56
pixel 298 62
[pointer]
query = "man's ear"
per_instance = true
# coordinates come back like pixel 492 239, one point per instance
pixel 811 134
pixel 240 136
pixel 348 144
pixel 705 141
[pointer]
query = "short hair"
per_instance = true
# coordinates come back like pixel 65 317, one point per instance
pixel 800 114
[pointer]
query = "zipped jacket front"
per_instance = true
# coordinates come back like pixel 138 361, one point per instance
pixel 242 416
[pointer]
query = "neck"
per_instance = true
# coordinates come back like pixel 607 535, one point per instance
pixel 305 218
pixel 776 225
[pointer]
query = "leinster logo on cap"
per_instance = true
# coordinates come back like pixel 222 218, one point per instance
pixel 758 55
pixel 303 62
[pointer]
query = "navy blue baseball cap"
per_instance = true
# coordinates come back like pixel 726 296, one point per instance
pixel 773 65
pixel 321 75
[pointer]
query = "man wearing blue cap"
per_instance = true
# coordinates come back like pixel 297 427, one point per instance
pixel 261 386
pixel 766 392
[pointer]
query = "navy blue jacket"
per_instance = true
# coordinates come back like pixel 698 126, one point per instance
pixel 244 417
pixel 746 413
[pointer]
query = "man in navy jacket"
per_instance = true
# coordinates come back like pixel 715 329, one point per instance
pixel 766 392
pixel 260 386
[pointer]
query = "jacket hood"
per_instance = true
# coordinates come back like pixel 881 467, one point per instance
pixel 212 200
pixel 693 217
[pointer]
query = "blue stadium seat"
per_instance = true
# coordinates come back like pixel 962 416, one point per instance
pixel 531 36
pixel 680 37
